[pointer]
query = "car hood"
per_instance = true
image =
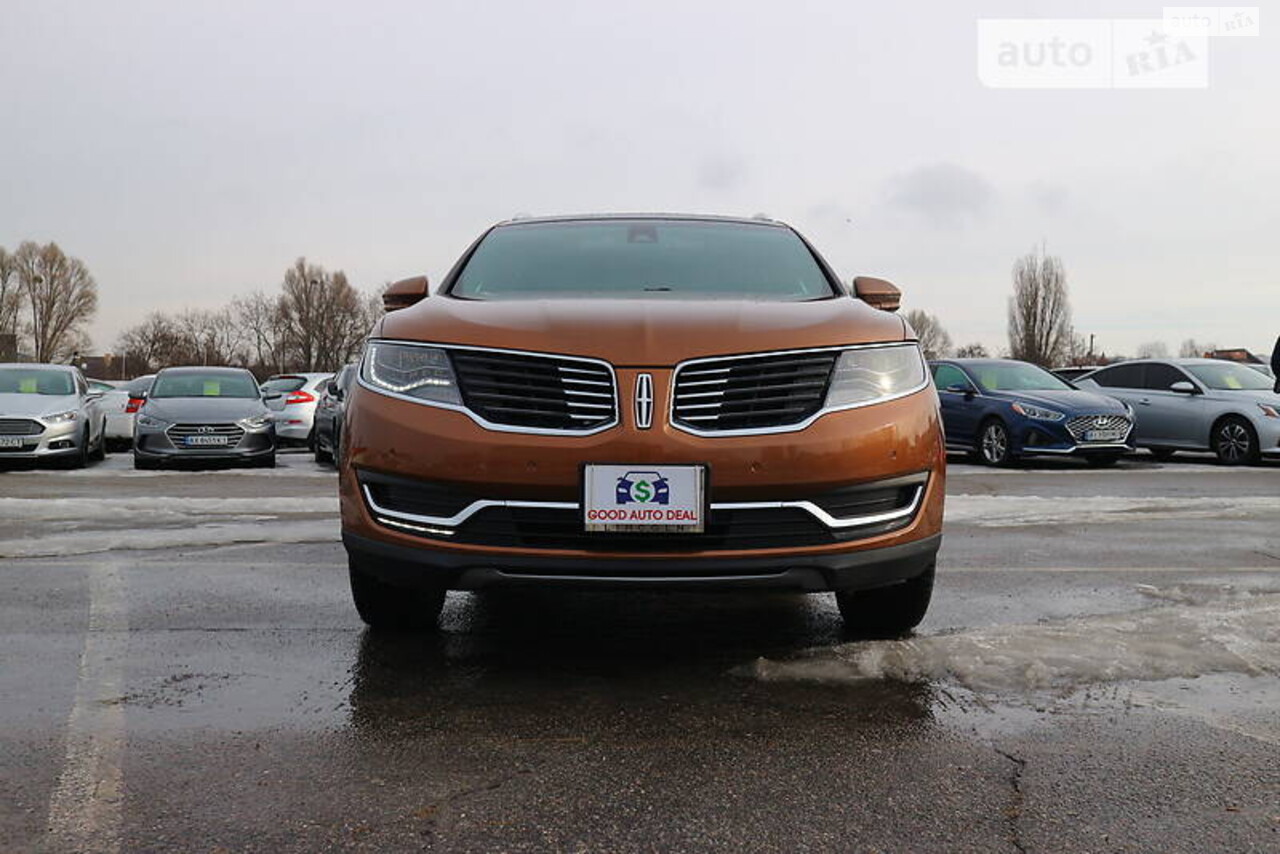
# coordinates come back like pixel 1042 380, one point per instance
pixel 36 405
pixel 1068 401
pixel 642 332
pixel 186 409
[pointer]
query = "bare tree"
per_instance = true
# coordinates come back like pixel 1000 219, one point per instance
pixel 1039 310
pixel 1153 350
pixel 10 304
pixel 1192 349
pixel 61 298
pixel 323 317
pixel 934 340
pixel 972 351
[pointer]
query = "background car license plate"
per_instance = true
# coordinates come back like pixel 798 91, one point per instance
pixel 1103 435
pixel 645 498
pixel 206 440
pixel 10 441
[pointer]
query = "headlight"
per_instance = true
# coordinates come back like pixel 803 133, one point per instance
pixel 421 372
pixel 151 423
pixel 255 422
pixel 1037 412
pixel 61 417
pixel 1269 410
pixel 871 374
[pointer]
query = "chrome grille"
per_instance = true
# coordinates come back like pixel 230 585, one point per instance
pixel 20 427
pixel 534 391
pixel 1082 424
pixel 756 392
pixel 178 433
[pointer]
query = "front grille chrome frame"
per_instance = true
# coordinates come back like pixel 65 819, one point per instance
pixel 177 434
pixel 1079 425
pixel 498 427
pixel 804 423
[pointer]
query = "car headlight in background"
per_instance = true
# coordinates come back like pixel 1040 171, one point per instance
pixel 1269 410
pixel 151 422
pixel 871 374
pixel 61 417
pixel 255 422
pixel 1037 412
pixel 412 371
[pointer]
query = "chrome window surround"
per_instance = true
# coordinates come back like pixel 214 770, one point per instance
pixel 799 425
pixel 484 422
pixel 442 524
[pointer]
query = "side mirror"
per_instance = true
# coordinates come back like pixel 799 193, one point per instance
pixel 404 293
pixel 93 395
pixel 331 388
pixel 1184 387
pixel 877 293
pixel 961 388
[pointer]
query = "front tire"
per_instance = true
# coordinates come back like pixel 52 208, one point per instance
pixel 100 452
pixel 391 607
pixel 1234 441
pixel 887 612
pixel 994 447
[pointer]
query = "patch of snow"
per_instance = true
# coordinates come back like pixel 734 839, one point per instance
pixel 1004 511
pixel 1209 630
pixel 89 542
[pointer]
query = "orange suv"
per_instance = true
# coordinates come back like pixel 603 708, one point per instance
pixel 677 402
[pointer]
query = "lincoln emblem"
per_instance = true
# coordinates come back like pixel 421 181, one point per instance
pixel 644 401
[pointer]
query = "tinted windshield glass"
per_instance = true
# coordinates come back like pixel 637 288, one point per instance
pixel 281 385
pixel 204 385
pixel 35 381
pixel 642 258
pixel 1231 377
pixel 1016 376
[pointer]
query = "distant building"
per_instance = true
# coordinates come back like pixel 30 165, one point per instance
pixel 1237 355
pixel 105 367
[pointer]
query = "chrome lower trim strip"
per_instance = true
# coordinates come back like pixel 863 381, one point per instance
pixel 399 518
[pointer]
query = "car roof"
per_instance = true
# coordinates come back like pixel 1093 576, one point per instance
pixel 40 365
pixel 195 369
pixel 672 217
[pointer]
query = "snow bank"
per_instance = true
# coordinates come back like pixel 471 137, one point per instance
pixel 1204 630
pixel 1003 511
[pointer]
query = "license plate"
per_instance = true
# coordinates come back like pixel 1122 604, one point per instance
pixel 10 441
pixel 1103 435
pixel 207 440
pixel 644 498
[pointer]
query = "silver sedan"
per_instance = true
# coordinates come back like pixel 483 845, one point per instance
pixel 1196 405
pixel 47 412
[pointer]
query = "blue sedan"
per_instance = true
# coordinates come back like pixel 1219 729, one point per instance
pixel 1000 409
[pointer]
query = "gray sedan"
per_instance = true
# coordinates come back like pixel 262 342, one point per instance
pixel 1196 405
pixel 204 414
pixel 49 412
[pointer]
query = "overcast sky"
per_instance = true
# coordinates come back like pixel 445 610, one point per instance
pixel 188 152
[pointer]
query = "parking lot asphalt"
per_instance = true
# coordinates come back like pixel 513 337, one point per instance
pixel 183 671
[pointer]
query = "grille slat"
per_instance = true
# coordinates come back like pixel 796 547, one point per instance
pixel 1082 424
pixel 758 392
pixel 20 427
pixel 178 433
pixel 535 391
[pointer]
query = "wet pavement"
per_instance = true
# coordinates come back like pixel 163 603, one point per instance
pixel 182 671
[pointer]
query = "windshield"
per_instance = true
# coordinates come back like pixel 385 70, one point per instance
pixel 36 381
pixel 204 385
pixel 1016 376
pixel 283 385
pixel 643 258
pixel 1229 376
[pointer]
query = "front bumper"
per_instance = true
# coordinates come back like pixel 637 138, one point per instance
pixel 1054 438
pixel 57 440
pixel 156 445
pixel 861 570
pixel 400 439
